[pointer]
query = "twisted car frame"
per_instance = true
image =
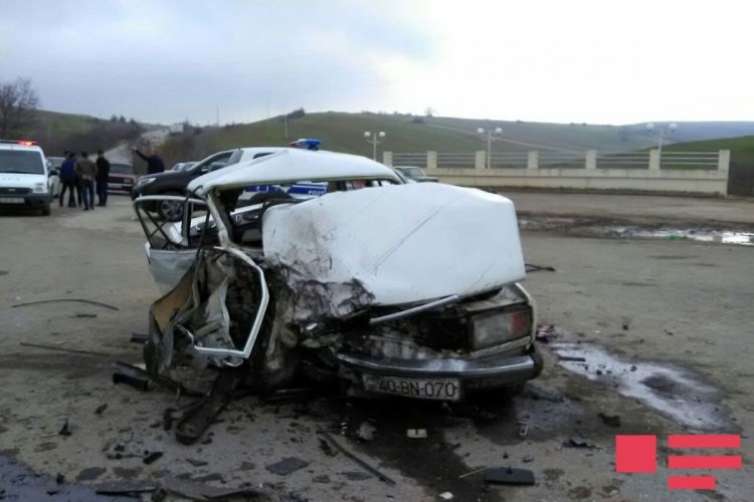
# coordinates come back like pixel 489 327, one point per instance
pixel 369 283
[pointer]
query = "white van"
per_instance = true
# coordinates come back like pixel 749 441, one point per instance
pixel 24 176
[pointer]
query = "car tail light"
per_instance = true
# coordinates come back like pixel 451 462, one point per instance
pixel 500 326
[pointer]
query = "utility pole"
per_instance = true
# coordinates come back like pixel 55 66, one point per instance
pixel 489 132
pixel 661 131
pixel 374 138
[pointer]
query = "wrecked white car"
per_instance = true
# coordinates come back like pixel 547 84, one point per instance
pixel 379 286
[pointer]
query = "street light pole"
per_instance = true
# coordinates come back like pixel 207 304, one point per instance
pixel 661 136
pixel 374 138
pixel 497 131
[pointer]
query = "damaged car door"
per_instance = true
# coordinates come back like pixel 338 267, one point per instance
pixel 171 246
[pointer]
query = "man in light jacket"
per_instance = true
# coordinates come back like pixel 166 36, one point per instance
pixel 87 171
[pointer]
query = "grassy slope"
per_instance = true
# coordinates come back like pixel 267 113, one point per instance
pixel 344 132
pixel 742 149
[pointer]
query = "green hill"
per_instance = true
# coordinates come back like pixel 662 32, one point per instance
pixel 741 149
pixel 56 132
pixel 405 133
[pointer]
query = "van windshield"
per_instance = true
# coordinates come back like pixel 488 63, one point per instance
pixel 22 162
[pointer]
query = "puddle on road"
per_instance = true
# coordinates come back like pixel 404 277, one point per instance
pixel 675 392
pixel 714 236
pixel 18 482
pixel 588 227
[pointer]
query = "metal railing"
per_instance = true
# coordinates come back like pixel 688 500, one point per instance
pixel 554 159
pixel 688 160
pixel 632 160
pixel 465 159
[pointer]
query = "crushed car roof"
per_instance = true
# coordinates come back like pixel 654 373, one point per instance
pixel 292 165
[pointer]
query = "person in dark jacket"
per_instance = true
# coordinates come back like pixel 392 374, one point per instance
pixel 154 162
pixel 103 173
pixel 68 179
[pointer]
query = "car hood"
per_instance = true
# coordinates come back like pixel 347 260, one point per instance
pixel 403 243
pixel 21 180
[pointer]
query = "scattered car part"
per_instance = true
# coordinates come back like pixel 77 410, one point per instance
pixel 509 476
pixel 66 300
pixel 63 349
pixel 356 459
pixel 416 433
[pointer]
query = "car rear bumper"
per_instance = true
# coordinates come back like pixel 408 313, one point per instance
pixel 29 200
pixel 474 374
pixel 119 187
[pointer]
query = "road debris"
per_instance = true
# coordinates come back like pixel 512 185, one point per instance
pixel 540 393
pixel 538 268
pixel 475 471
pixel 140 338
pixel 611 420
pixel 99 410
pixel 66 429
pixel 572 359
pixel 152 457
pixel 83 315
pixel 66 300
pixel 578 442
pixel 204 411
pixel 63 349
pixel 546 333
pixel 326 448
pixel 366 431
pixel 416 433
pixel 126 488
pixel 446 496
pixel 356 459
pixel 509 476
pixel 287 466
pixel 131 375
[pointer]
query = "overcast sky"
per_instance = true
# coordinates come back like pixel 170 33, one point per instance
pixel 562 61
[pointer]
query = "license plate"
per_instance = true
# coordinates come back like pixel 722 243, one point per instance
pixel 445 389
pixel 12 200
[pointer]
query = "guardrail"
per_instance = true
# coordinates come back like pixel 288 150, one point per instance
pixel 652 170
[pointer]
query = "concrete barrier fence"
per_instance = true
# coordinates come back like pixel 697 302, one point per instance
pixel 650 171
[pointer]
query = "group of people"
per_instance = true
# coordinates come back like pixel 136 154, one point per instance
pixel 82 175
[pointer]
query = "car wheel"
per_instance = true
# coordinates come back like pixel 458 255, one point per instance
pixel 170 210
pixel 46 210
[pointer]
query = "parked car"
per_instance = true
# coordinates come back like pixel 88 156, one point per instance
pixel 24 176
pixel 378 286
pixel 415 173
pixel 175 182
pixel 122 178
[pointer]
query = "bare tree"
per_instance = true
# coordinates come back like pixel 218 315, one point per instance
pixel 18 101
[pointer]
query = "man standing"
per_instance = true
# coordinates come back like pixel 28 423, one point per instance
pixel 68 179
pixel 154 162
pixel 103 173
pixel 87 171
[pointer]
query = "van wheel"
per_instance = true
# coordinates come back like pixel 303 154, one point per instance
pixel 46 210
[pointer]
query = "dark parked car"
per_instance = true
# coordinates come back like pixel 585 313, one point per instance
pixel 122 177
pixel 175 182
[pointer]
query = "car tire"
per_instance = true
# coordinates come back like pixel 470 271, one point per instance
pixel 46 209
pixel 170 210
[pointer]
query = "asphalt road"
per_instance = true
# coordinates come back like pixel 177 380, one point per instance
pixel 665 328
